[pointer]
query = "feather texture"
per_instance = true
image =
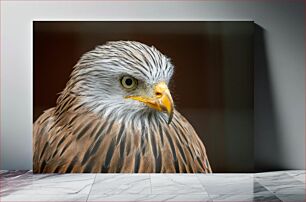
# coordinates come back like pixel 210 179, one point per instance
pixel 94 128
pixel 87 143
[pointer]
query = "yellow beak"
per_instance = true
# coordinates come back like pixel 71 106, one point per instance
pixel 162 100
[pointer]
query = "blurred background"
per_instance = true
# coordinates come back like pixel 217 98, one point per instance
pixel 213 85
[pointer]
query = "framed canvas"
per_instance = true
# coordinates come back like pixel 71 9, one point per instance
pixel 143 96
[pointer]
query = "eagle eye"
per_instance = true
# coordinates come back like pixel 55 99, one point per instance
pixel 129 82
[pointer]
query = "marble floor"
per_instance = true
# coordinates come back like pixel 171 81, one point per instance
pixel 269 186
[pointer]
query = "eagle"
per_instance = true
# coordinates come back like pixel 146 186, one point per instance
pixel 116 115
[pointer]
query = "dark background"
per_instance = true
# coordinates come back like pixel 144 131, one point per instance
pixel 212 85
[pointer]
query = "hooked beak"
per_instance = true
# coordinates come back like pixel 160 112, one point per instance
pixel 161 101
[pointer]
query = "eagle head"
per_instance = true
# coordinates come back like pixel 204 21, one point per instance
pixel 124 80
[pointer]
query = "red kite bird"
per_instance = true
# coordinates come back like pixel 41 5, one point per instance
pixel 116 114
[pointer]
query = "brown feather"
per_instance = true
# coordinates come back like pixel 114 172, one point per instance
pixel 84 142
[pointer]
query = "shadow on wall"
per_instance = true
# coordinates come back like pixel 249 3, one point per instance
pixel 266 131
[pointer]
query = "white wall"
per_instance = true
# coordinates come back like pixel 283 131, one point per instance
pixel 283 37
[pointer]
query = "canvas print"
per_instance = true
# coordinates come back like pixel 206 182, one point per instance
pixel 116 112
